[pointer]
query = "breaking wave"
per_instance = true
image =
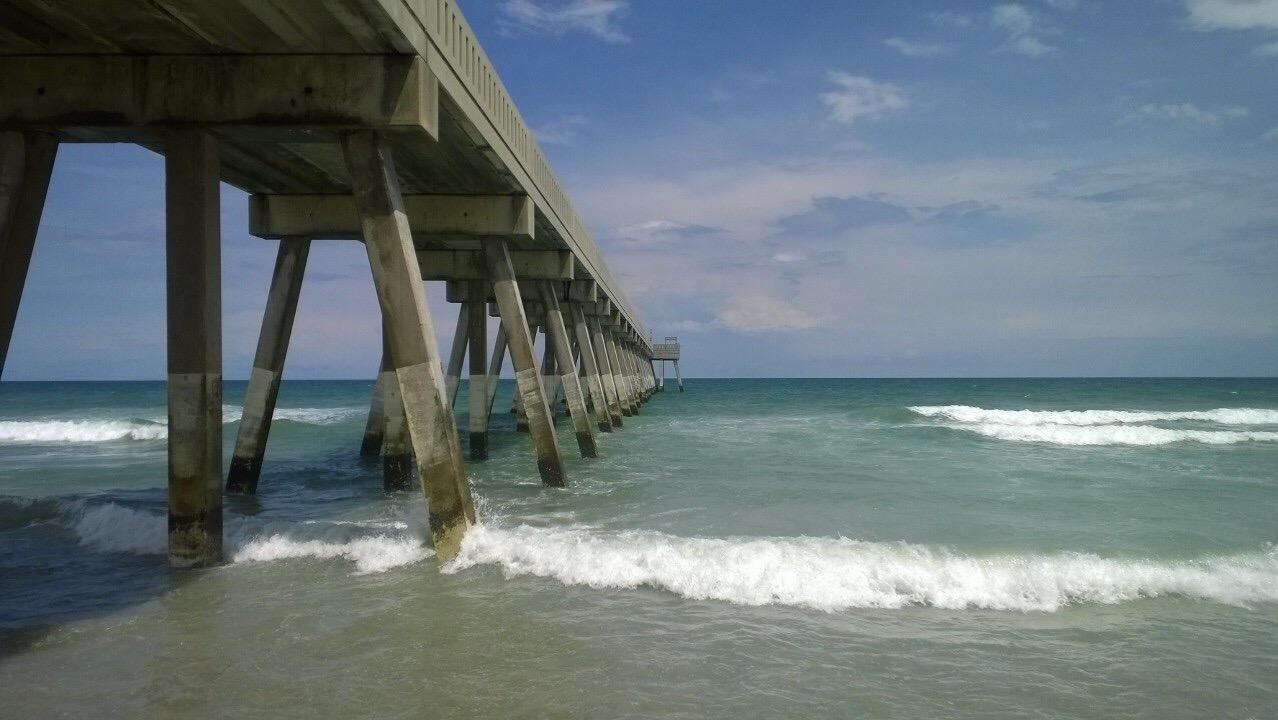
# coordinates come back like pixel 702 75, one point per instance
pixel 372 547
pixel 837 574
pixel 1113 434
pixel 969 414
pixel 1106 427
pixel 91 430
pixel 79 431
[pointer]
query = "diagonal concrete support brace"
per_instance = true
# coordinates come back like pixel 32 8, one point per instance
pixel 557 338
pixel 413 349
pixel 268 365
pixel 550 463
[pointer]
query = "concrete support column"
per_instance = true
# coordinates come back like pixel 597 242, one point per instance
pixel 374 427
pixel 619 376
pixel 598 400
pixel 194 296
pixel 268 365
pixel 549 378
pixel 477 334
pixel 557 338
pixel 678 376
pixel 549 461
pixel 413 349
pixel 494 366
pixel 517 402
pixel 600 344
pixel 457 353
pixel 397 455
pixel 662 385
pixel 26 165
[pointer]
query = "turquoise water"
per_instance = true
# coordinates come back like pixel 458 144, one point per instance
pixel 750 548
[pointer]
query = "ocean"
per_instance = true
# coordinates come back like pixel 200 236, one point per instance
pixel 1048 548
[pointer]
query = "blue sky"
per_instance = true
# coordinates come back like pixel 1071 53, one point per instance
pixel 1046 187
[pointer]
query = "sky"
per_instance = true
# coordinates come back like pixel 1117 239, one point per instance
pixel 1033 188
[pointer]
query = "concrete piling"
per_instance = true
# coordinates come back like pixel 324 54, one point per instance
pixel 609 378
pixel 26 166
pixel 413 350
pixel 375 425
pixel 477 334
pixel 598 400
pixel 194 304
pixel 557 339
pixel 457 354
pixel 550 463
pixel 397 448
pixel 494 366
pixel 268 365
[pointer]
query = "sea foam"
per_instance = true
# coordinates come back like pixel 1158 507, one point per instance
pixel 837 574
pixel 79 431
pixel 970 414
pixel 372 547
pixel 1107 427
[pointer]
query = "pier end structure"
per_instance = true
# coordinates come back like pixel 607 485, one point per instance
pixel 381 121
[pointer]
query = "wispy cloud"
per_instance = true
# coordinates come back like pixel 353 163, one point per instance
pixel 857 97
pixel 1266 50
pixel 655 233
pixel 950 19
pixel 912 48
pixel 599 18
pixel 1233 14
pixel 764 313
pixel 1187 113
pixel 1023 30
pixel 561 131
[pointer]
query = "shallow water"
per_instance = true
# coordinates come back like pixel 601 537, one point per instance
pixel 877 548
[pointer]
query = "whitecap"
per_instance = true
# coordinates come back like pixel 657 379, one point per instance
pixel 79 431
pixel 837 574
pixel 970 414
pixel 1112 434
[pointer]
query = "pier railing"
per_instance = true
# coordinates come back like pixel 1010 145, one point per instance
pixel 455 43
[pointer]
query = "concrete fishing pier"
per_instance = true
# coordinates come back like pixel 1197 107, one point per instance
pixel 379 121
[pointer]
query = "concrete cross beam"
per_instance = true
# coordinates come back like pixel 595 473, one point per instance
pixel 458 266
pixel 298 98
pixel 334 216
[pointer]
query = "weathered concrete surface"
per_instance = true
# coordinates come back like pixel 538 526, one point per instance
pixel 598 400
pixel 477 335
pixel 494 366
pixel 375 427
pixel 397 455
pixel 413 350
pixel 430 217
pixel 194 300
pixel 26 164
pixel 457 354
pixel 268 365
pixel 600 343
pixel 557 337
pixel 618 374
pixel 550 463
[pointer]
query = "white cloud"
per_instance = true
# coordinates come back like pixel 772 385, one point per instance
pixel 563 131
pixel 661 232
pixel 764 313
pixel 599 18
pixel 1031 46
pixel 858 97
pixel 1233 14
pixel 1023 30
pixel 1271 135
pixel 1266 50
pixel 912 48
pixel 950 19
pixel 1183 113
pixel 1012 18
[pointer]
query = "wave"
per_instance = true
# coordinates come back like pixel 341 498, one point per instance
pixel 1112 434
pixel 79 431
pixel 838 574
pixel 970 414
pixel 369 546
pixel 91 430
